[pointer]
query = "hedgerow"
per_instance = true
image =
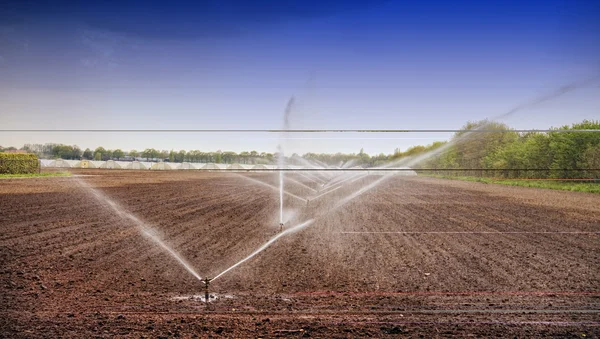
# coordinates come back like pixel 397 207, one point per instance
pixel 18 163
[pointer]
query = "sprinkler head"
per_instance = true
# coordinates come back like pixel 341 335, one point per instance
pixel 280 226
pixel 206 282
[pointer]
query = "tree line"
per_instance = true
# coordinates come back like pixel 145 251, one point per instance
pixel 559 153
pixel 554 154
pixel 73 152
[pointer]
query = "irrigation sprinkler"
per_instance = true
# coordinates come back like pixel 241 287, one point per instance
pixel 280 227
pixel 206 282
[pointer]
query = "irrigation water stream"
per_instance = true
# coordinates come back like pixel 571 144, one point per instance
pixel 144 228
pixel 279 189
pixel 333 184
pixel 409 162
pixel 289 230
pixel 412 161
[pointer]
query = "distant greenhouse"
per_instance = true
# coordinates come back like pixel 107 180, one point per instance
pixel 161 166
pixel 167 166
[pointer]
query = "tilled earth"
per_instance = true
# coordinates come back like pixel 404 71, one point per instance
pixel 384 256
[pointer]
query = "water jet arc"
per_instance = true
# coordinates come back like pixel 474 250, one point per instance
pixel 267 244
pixel 144 229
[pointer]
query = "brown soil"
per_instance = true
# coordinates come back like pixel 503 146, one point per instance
pixel 454 258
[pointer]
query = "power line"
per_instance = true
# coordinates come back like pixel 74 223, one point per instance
pixel 296 131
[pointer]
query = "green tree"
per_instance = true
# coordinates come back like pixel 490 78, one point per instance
pixel 529 151
pixel 65 151
pixel 592 161
pixel 108 155
pixel 148 153
pixel 244 157
pixel 164 154
pixel 228 157
pixel 87 154
pixel 180 156
pixel 568 148
pixel 133 153
pixel 118 153
pixel 254 155
pixel 62 152
pixel 76 152
pixel 194 156
pixel 102 152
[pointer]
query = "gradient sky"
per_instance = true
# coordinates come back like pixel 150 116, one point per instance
pixel 235 64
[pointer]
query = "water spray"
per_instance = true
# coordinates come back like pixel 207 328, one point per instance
pixel 316 180
pixel 271 186
pixel 300 183
pixel 345 181
pixel 281 194
pixel 314 176
pixel 412 161
pixel 142 227
pixel 303 225
pixel 281 160
pixel 325 193
pixel 267 244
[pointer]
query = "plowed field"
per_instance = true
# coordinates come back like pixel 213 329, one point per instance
pixel 413 256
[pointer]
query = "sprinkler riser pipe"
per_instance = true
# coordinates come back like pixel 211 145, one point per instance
pixel 206 294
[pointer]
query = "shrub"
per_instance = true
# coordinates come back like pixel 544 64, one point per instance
pixel 11 163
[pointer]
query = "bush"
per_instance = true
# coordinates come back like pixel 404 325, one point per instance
pixel 591 159
pixel 11 163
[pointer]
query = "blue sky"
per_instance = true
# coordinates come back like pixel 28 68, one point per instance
pixel 235 64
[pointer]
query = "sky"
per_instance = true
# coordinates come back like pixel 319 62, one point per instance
pixel 235 65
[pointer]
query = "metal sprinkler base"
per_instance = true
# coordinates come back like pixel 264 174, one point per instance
pixel 280 226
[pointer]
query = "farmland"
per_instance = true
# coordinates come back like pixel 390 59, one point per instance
pixel 412 255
